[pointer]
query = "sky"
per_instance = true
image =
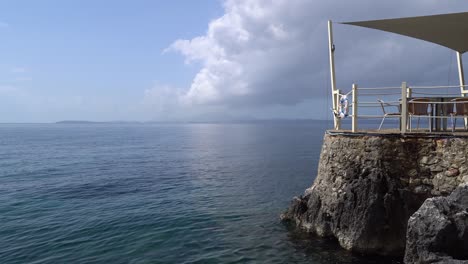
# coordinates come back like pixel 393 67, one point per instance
pixel 204 60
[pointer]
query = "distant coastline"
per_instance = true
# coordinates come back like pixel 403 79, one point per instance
pixel 234 121
pixel 240 121
pixel 96 122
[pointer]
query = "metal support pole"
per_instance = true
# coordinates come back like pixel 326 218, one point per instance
pixel 461 74
pixel 404 107
pixel 335 95
pixel 355 108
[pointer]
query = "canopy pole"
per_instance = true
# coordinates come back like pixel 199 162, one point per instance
pixel 461 74
pixel 335 95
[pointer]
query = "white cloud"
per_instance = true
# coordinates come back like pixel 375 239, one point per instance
pixel 262 53
pixel 19 70
pixel 161 98
pixel 8 89
pixel 23 79
pixel 163 102
pixel 167 103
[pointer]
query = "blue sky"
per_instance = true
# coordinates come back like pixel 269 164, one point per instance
pixel 201 60
pixel 93 49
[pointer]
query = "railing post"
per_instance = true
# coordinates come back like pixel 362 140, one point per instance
pixel 355 108
pixel 404 107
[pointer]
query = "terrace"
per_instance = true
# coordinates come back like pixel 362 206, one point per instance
pixel 442 109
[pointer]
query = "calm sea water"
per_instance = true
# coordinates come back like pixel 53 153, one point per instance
pixel 194 193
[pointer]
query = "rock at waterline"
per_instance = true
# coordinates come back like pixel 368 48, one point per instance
pixel 367 187
pixel 438 231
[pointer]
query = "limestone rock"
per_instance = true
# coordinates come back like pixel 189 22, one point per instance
pixel 438 231
pixel 368 186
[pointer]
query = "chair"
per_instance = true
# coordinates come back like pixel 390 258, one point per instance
pixel 386 114
pixel 418 107
pixel 460 110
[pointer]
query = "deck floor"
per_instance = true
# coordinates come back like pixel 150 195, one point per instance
pixel 395 132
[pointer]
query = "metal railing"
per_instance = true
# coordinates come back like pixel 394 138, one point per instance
pixel 403 95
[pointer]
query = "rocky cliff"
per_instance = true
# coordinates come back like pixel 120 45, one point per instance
pixel 438 231
pixel 368 186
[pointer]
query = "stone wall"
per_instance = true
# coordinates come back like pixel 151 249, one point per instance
pixel 368 186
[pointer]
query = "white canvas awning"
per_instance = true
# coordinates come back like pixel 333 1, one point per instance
pixel 448 30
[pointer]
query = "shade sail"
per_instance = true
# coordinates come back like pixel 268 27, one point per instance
pixel 448 30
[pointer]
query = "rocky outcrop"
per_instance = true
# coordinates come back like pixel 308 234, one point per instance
pixel 438 231
pixel 368 186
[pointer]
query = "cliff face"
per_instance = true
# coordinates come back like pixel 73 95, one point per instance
pixel 367 187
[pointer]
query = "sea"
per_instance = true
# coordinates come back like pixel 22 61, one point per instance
pixel 159 193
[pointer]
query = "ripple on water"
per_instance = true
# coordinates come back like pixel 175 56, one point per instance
pixel 195 193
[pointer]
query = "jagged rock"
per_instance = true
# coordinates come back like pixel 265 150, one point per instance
pixel 438 231
pixel 367 187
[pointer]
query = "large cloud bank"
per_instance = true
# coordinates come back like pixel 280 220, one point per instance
pixel 263 53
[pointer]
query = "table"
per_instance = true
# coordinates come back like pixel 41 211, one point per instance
pixel 440 109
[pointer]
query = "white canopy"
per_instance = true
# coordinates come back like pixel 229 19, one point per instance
pixel 448 30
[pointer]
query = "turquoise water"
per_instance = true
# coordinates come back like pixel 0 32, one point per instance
pixel 192 193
